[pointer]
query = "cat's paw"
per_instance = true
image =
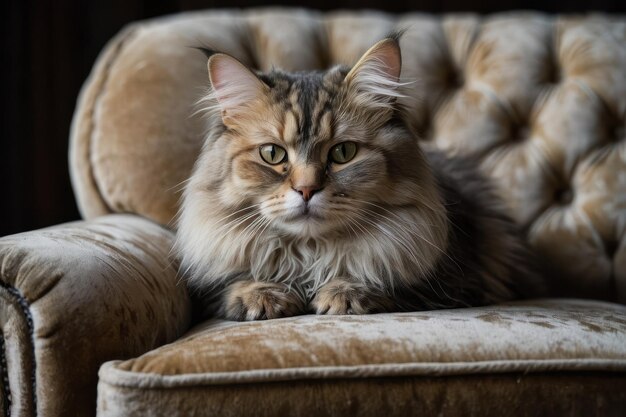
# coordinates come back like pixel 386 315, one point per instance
pixel 251 300
pixel 344 297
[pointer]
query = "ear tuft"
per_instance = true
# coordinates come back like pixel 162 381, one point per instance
pixel 234 85
pixel 375 79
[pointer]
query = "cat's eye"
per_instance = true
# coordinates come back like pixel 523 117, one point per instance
pixel 343 152
pixel 273 154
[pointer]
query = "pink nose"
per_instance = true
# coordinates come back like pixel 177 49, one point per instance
pixel 307 191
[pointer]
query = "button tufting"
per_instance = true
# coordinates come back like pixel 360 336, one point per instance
pixel 519 132
pixel 553 73
pixel 611 248
pixel 453 78
pixel 564 195
pixel 619 133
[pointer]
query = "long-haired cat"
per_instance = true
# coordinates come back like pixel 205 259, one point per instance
pixel 311 194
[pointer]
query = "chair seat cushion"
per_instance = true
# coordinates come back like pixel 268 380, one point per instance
pixel 570 354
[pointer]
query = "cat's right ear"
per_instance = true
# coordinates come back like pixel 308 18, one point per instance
pixel 374 81
pixel 235 87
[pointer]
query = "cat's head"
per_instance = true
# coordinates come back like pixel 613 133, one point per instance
pixel 315 152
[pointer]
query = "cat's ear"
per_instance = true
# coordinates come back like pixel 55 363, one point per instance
pixel 374 81
pixel 235 87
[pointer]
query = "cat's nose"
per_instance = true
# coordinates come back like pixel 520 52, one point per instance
pixel 307 191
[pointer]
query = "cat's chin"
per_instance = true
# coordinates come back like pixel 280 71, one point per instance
pixel 307 225
pixel 303 217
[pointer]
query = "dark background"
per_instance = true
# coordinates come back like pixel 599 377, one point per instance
pixel 48 48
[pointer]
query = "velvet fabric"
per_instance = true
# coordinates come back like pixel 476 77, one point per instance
pixel 76 295
pixel 522 336
pixel 498 395
pixel 478 361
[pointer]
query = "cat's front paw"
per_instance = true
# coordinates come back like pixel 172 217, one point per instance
pixel 251 300
pixel 344 297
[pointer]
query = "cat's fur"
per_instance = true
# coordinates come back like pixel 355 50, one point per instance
pixel 393 229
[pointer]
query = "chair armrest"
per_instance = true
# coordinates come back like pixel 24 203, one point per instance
pixel 76 295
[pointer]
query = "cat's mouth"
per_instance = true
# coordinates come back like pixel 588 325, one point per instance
pixel 306 213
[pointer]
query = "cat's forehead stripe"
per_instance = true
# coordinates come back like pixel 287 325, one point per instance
pixel 306 101
pixel 310 89
pixel 290 127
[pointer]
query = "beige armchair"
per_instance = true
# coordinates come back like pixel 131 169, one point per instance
pixel 541 100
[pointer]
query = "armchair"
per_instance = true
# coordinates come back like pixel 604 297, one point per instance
pixel 540 100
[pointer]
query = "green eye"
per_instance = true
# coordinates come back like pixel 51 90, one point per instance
pixel 273 154
pixel 342 153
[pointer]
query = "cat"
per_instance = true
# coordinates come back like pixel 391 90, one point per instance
pixel 312 194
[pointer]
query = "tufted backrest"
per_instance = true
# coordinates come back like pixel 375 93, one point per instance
pixel 541 100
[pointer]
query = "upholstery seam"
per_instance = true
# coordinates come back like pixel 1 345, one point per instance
pixel 6 392
pixel 92 119
pixel 113 376
pixel 25 307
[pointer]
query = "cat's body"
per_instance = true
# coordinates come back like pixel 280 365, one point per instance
pixel 312 194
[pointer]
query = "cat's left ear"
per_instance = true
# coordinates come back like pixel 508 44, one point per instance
pixel 235 87
pixel 374 81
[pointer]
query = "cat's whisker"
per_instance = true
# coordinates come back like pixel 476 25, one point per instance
pixel 404 222
pixel 450 221
pixel 443 252
pixel 363 228
pixel 234 223
pixel 349 225
pixel 251 226
pixel 424 273
pixel 254 226
pixel 238 222
pixel 398 238
pixel 274 204
pixel 346 224
pixel 360 218
pixel 238 211
pixel 345 206
pixel 261 232
pixel 179 187
pixel 391 212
